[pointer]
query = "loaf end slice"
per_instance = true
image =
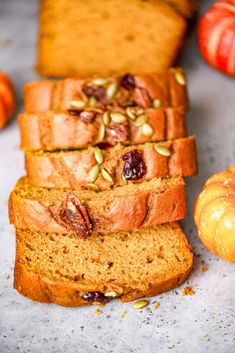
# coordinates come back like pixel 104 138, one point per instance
pixel 59 268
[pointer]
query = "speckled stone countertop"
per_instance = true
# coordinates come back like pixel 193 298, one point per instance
pixel 192 324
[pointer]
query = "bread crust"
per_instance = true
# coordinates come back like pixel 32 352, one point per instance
pixel 42 289
pixel 41 96
pixel 72 169
pixel 143 208
pixel 185 7
pixel 60 130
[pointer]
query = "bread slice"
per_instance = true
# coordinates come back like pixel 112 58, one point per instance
pixel 167 88
pixel 123 208
pixel 104 169
pixel 186 7
pixel 63 130
pixel 59 268
pixel 87 37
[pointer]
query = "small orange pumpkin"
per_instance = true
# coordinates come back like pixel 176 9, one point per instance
pixel 214 214
pixel 7 101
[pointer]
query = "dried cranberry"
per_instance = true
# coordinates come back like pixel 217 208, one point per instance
pixel 134 167
pixel 128 82
pixel 95 297
pixel 94 91
pixel 116 133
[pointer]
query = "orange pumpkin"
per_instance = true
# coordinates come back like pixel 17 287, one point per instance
pixel 214 214
pixel 7 101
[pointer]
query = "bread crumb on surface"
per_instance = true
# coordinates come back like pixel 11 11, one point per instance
pixel 97 312
pixel 7 277
pixel 172 346
pixel 204 268
pixel 187 291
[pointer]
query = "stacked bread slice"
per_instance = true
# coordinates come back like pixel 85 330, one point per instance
pixel 95 216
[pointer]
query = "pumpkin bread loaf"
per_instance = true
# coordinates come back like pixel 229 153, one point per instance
pixel 103 169
pixel 164 89
pixel 86 37
pixel 79 128
pixel 186 7
pixel 62 269
pixel 126 207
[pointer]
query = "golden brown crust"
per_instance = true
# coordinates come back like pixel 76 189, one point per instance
pixel 72 169
pixel 42 96
pixel 186 7
pixel 60 130
pixel 144 208
pixel 40 288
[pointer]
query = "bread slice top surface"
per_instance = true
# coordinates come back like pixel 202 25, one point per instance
pixel 24 189
pixel 131 259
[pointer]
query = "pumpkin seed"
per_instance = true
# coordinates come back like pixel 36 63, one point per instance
pixel 124 179
pixel 112 90
pixel 163 150
pixel 130 113
pixel 140 304
pixel 147 130
pixel 106 175
pixel 92 101
pixel 77 104
pixel 141 120
pixel 93 187
pixel 101 134
pixel 180 78
pixel 106 118
pixel 118 118
pixel 94 173
pixel 111 294
pixel 100 81
pixel 99 157
pixel 157 103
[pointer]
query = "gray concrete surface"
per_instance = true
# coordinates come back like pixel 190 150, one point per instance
pixel 198 324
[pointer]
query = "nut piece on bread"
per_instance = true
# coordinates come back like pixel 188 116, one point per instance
pixel 132 164
pixel 124 208
pixel 86 37
pixel 59 268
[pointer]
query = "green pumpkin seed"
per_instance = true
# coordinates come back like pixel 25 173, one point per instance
pixel 112 90
pixel 163 150
pixel 92 101
pixel 77 104
pixel 118 118
pixel 130 113
pixel 99 157
pixel 157 103
pixel 100 81
pixel 106 118
pixel 141 120
pixel 101 134
pixel 180 78
pixel 147 130
pixel 93 187
pixel 106 175
pixel 111 294
pixel 94 173
pixel 140 304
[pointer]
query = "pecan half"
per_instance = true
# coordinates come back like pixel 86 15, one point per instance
pixel 85 116
pixel 116 133
pixel 74 216
pixel 141 97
